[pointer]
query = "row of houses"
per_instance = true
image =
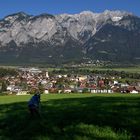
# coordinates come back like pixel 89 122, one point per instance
pixel 92 90
pixel 29 78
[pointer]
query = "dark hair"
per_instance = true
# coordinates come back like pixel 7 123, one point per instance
pixel 37 94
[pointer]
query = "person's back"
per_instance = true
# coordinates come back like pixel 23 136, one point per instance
pixel 35 100
pixel 33 105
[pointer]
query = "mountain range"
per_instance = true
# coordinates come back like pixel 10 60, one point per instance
pixel 112 36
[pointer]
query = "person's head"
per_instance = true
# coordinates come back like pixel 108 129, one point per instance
pixel 35 90
pixel 37 95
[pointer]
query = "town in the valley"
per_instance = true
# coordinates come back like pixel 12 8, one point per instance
pixel 28 79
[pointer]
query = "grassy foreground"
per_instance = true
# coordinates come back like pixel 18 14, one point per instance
pixel 72 117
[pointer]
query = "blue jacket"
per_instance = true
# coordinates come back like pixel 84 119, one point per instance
pixel 34 101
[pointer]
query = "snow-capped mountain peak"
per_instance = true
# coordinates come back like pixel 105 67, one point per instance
pixel 111 35
pixel 21 27
pixel 116 18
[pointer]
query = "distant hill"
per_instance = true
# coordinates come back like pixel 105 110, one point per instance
pixel 109 36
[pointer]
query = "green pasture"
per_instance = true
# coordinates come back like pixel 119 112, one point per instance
pixel 126 69
pixel 72 117
pixel 129 69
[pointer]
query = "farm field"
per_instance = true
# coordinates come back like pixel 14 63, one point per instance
pixel 72 117
pixel 134 69
pixel 126 69
pixel 129 69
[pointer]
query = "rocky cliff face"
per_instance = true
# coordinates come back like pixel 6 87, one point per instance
pixel 111 36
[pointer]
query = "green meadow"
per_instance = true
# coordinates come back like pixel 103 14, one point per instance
pixel 72 117
pixel 133 69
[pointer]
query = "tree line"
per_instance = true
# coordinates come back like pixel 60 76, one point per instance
pixel 7 72
pixel 76 71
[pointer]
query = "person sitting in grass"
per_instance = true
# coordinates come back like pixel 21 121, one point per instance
pixel 33 104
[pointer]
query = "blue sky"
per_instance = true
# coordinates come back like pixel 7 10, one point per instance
pixel 36 7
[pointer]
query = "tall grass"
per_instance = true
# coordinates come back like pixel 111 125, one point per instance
pixel 72 117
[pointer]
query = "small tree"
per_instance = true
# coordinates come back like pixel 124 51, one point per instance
pixel 3 86
pixel 41 88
